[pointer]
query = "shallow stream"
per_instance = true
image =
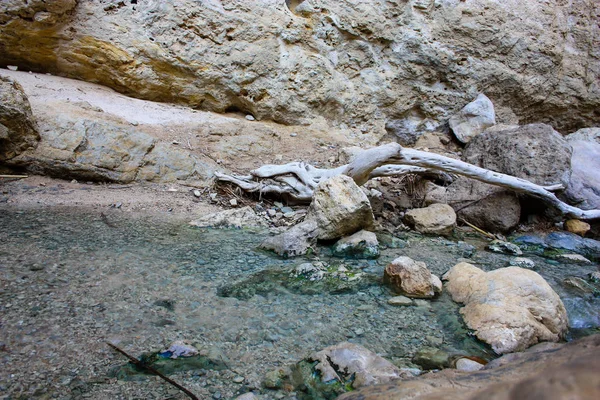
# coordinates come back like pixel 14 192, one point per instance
pixel 72 280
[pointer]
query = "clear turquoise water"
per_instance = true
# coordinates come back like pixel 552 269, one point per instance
pixel 71 280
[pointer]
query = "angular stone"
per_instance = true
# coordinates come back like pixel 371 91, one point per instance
pixel 236 218
pixel 577 227
pixel 362 244
pixel 352 359
pixel 295 241
pixel 473 119
pixel 510 308
pixel 411 278
pixel 18 129
pixel 340 208
pixel 437 219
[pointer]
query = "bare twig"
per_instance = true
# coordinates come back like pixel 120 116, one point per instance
pixel 14 176
pixel 147 367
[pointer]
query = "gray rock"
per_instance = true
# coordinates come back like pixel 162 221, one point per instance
pixel 339 208
pixel 522 262
pixel 584 187
pixel 467 365
pixel 235 218
pixel 499 246
pixel 473 119
pixel 18 130
pixel 534 152
pixel 362 244
pixel 432 358
pixel 437 219
pixel 400 301
pixel 586 135
pixel 295 241
pixel 351 359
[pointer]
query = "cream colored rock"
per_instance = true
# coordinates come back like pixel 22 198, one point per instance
pixel 356 62
pixel 438 219
pixel 509 308
pixel 348 359
pixel 235 218
pixel 473 119
pixel 412 278
pixel 577 227
pixel 340 208
pixel 18 129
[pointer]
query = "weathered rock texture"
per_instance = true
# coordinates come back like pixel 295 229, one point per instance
pixel 509 308
pixel 340 208
pixel 351 359
pixel 473 119
pixel 584 186
pixel 18 130
pixel 436 219
pixel 535 152
pixel 358 63
pixel 411 278
pixel 546 371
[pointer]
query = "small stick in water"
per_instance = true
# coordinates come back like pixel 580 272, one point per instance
pixel 145 366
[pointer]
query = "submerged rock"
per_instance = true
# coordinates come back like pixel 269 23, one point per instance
pixel 556 243
pixel 412 278
pixel 363 244
pixel 18 129
pixel 510 308
pixel 235 218
pixel 499 246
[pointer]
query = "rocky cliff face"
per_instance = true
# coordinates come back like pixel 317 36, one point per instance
pixel 356 63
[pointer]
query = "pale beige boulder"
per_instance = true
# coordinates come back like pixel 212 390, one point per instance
pixel 437 219
pixel 510 308
pixel 340 208
pixel 411 278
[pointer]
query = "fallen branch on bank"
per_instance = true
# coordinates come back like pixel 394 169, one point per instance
pixel 298 180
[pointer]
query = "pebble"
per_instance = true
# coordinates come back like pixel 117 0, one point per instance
pixel 464 364
pixel 197 193
pixel 293 134
pixel 400 301
pixel 522 262
pixel 233 202
pixel 250 117
pixel 247 396
pixel 238 379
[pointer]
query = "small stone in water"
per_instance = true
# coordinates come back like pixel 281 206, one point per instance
pixel 400 301
pixel 238 379
pixel 465 364
pixel 522 262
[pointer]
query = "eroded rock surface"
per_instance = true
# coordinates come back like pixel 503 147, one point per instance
pixel 412 278
pixel 473 119
pixel 509 308
pixel 358 63
pixel 546 371
pixel 340 208
pixel 18 129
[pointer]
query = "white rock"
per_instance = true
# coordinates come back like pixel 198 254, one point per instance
pixel 473 119
pixel 465 364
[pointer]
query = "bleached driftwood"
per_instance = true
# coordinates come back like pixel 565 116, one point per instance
pixel 298 179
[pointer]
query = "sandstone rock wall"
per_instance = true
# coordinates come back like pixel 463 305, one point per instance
pixel 357 63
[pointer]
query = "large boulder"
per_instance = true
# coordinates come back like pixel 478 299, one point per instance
pixel 436 219
pixel 534 152
pixel 510 308
pixel 411 278
pixel 584 187
pixel 340 208
pixel 546 371
pixel 18 130
pixel 358 63
pixel 473 119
